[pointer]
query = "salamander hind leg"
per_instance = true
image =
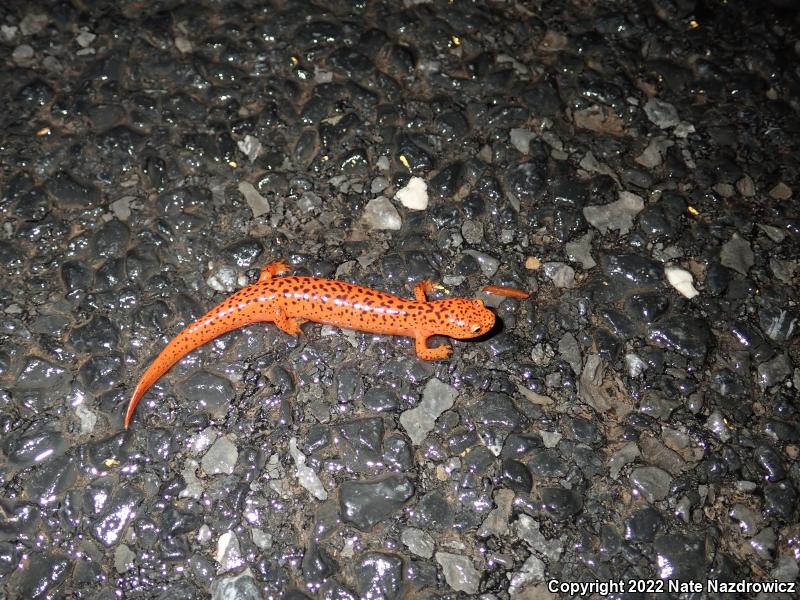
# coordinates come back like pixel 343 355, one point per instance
pixel 425 287
pixel 273 269
pixel 425 352
pixel 287 324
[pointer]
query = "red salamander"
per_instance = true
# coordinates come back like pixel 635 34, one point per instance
pixel 290 301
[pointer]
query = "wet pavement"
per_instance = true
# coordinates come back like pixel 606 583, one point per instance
pixel 633 165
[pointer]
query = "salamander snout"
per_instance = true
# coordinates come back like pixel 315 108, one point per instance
pixel 463 318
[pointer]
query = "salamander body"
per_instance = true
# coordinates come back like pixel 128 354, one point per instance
pixel 290 301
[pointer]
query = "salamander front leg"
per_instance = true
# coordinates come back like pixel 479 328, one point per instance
pixel 425 352
pixel 425 287
pixel 273 269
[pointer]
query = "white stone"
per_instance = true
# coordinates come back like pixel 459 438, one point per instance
pixel 682 281
pixel 306 475
pixel 414 195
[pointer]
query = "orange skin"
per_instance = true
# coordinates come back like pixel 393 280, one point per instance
pixel 291 301
pixel 508 292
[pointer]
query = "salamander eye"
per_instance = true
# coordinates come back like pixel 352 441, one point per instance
pixel 475 328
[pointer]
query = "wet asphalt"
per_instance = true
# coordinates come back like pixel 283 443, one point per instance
pixel 633 166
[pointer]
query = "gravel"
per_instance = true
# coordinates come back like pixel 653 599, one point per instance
pixel 622 162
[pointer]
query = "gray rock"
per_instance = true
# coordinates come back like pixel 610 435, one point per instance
pixel 379 575
pixel 778 324
pixel 618 215
pixel 488 264
pixel 528 529
pixel 521 139
pixel 581 251
pixel 437 397
pixel 229 553
pixel 531 572
pixel 736 254
pixel 418 541
pixel 123 558
pixel 236 587
pixel 570 352
pixel 652 482
pixel 662 114
pixel 221 457
pixel 459 572
pixel 748 519
pixel 380 213
pixel 258 205
pixel 306 476
pixel 774 372
pixel 624 456
pixel 561 274
pixel 365 503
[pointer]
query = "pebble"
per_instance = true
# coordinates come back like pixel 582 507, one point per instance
pixel 123 558
pixel 662 114
pixel 221 457
pixel 617 216
pixel 236 587
pixel 379 214
pixel 652 482
pixel 22 54
pixel 780 191
pixel 250 146
pixel 459 572
pixel 682 281
pixel 223 279
pixel 418 541
pixel 736 254
pixel 680 557
pixel 229 554
pixel 414 195
pixel 748 520
pixel 488 264
pixel 32 23
pixel 366 503
pixel 778 324
pixel 257 204
pixel 521 139
pixel 529 530
pixel 774 372
pixel 306 475
pixel 437 397
pixel 378 575
pixel 472 232
pixel 581 251
pixel 570 351
pixel 531 572
pixel 561 274
pixel 194 487
pixel 686 335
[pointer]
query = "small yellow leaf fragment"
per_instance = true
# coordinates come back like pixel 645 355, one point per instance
pixel 532 263
pixel 294 60
pixel 693 211
pixel 404 160
pixel 233 164
pixel 43 132
pixel 455 39
pixel 111 462
pixel 693 24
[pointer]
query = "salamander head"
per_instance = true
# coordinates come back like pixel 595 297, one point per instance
pixel 460 318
